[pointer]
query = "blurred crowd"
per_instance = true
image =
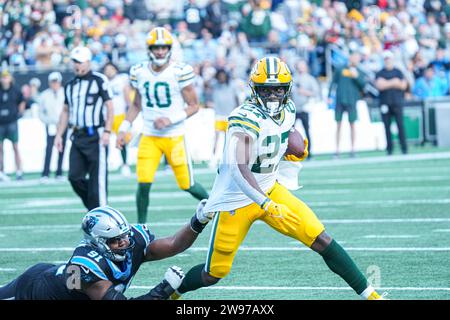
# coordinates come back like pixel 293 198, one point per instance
pixel 231 34
pixel 221 39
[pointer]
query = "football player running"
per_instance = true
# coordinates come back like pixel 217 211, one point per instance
pixel 166 96
pixel 246 189
pixel 105 262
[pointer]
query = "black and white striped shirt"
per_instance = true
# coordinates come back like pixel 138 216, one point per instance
pixel 85 97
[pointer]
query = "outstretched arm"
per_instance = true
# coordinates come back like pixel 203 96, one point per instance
pixel 167 247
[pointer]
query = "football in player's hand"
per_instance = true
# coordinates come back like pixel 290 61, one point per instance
pixel 296 144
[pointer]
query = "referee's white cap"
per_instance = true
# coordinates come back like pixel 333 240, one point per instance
pixel 81 54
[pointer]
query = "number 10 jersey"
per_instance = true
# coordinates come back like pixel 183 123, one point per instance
pixel 270 140
pixel 161 94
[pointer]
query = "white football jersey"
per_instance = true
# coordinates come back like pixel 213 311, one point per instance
pixel 161 94
pixel 117 85
pixel 270 140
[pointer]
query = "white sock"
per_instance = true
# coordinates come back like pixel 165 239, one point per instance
pixel 366 293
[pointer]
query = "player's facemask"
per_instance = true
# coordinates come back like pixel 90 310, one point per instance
pixel 272 98
pixel 271 82
pixel 159 61
pixel 119 254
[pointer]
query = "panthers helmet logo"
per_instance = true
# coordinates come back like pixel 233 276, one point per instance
pixel 89 223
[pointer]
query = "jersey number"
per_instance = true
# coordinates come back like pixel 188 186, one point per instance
pixel 161 92
pixel 94 255
pixel 267 163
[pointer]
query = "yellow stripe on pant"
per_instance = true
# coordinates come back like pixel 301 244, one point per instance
pixel 151 149
pixel 231 227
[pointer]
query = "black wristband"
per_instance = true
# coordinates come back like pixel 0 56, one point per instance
pixel 107 131
pixel 196 225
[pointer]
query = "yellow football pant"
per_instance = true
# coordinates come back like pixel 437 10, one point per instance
pixel 221 125
pixel 230 228
pixel 149 155
pixel 118 119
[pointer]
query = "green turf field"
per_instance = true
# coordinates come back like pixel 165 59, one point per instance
pixel 392 216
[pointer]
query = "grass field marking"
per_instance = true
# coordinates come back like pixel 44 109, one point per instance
pixel 56 211
pixel 305 191
pixel 382 236
pixel 376 180
pixel 282 288
pixel 8 270
pixel 258 249
pixel 78 226
pixel 181 223
pixel 9 210
pixel 375 160
pixel 441 230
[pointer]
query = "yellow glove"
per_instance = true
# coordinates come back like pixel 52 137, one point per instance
pixel 291 157
pixel 286 219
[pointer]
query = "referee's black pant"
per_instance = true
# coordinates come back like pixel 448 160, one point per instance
pixel 88 168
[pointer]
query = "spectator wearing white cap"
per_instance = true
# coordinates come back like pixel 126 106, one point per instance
pixel 51 102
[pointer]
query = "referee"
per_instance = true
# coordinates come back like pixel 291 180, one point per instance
pixel 84 99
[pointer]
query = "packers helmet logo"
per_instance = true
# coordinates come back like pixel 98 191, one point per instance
pixel 271 83
pixel 270 70
pixel 159 37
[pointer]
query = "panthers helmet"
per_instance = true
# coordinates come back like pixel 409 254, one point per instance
pixel 103 224
pixel 159 37
pixel 271 83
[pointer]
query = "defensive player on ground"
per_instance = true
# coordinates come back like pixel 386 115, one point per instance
pixel 166 96
pixel 105 262
pixel 246 190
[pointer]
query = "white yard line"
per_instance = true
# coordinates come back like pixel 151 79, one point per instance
pixel 281 288
pixel 81 211
pixel 178 223
pixel 310 164
pixel 382 236
pixel 24 206
pixel 34 194
pixel 7 270
pixel 375 160
pixel 441 230
pixel 258 249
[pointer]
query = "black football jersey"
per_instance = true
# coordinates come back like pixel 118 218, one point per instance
pixel 90 266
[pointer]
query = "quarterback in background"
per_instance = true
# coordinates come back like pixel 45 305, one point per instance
pixel 121 98
pixel 166 96
pixel 246 187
